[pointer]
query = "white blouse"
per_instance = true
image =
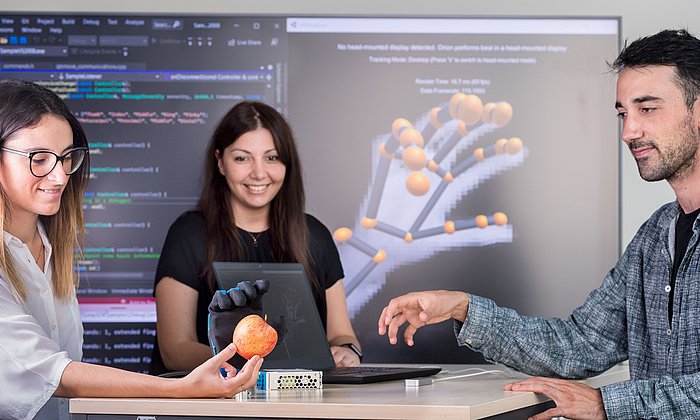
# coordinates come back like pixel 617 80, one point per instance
pixel 38 338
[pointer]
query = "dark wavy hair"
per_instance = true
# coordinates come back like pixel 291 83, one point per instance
pixel 23 105
pixel 675 48
pixel 288 228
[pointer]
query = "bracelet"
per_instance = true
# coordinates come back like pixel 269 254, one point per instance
pixel 354 348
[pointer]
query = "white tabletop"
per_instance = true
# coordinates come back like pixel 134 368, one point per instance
pixel 458 398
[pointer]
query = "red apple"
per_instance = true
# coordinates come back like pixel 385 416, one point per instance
pixel 254 336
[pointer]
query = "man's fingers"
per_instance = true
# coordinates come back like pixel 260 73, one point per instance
pixel 572 399
pixel 424 317
pixel 381 324
pixel 409 333
pixel 402 309
pixel 394 325
pixel 395 306
pixel 414 318
pixel 547 415
pixel 388 315
pixel 537 386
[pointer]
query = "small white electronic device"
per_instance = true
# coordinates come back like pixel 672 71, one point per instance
pixel 269 380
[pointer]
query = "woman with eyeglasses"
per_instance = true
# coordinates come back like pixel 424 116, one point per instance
pixel 44 169
pixel 251 209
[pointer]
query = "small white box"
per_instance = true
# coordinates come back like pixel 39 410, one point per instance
pixel 290 379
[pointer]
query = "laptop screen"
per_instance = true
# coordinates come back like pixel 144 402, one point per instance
pixel 305 344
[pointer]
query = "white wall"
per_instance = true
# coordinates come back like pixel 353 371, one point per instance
pixel 639 18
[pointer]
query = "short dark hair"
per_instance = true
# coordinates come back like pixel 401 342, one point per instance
pixel 675 48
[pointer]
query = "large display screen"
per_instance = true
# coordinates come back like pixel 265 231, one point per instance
pixel 477 154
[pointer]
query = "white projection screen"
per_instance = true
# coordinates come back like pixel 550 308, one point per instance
pixel 478 154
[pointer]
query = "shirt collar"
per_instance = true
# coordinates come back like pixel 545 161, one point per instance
pixel 11 240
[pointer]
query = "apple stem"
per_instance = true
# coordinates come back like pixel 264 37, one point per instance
pixel 265 317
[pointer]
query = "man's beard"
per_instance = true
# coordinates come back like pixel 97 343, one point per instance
pixel 677 162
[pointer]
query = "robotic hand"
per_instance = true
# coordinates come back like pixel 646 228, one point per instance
pixel 228 307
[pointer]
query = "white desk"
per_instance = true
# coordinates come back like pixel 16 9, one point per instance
pixel 461 398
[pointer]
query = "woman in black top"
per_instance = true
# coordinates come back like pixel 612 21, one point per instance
pixel 251 209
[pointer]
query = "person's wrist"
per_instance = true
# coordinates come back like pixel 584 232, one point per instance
pixel 459 313
pixel 179 387
pixel 354 349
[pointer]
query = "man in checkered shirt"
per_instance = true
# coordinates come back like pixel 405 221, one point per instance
pixel 648 307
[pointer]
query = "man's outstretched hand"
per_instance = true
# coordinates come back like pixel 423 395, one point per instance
pixel 419 309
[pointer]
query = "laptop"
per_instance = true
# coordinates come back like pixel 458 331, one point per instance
pixel 305 346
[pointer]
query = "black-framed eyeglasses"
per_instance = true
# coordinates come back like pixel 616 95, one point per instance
pixel 42 162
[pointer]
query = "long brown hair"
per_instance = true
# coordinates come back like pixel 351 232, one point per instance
pixel 288 227
pixel 23 105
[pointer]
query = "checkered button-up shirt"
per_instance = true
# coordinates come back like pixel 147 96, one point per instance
pixel 626 318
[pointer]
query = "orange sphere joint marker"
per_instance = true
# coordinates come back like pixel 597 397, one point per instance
pixel 368 223
pixel 432 166
pixel 479 154
pixel 514 145
pixel 414 158
pixel 417 184
pixel 454 103
pixel 380 256
pixel 500 146
pixel 481 221
pixel 501 114
pixel 411 136
pixel 500 218
pixel 342 234
pixel 399 125
pixel 486 113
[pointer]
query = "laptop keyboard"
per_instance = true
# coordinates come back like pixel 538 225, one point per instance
pixel 369 374
pixel 364 370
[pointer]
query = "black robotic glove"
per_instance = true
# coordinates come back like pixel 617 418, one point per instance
pixel 228 307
